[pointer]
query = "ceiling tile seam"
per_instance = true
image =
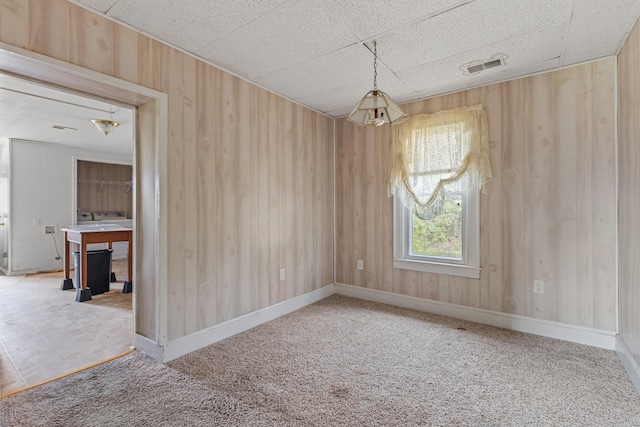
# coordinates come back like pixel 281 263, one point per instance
pixel 356 84
pixel 565 41
pixel 112 6
pixel 296 64
pixel 402 81
pixel 415 21
pixel 193 55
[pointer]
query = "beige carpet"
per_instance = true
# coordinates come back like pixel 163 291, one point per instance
pixel 345 362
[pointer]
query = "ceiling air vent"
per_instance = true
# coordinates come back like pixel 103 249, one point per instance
pixel 474 67
pixel 60 127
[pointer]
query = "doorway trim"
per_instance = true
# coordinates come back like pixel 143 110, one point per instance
pixel 150 169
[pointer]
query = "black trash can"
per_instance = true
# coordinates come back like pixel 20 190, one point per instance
pixel 98 270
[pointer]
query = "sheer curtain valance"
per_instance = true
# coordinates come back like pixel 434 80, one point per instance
pixel 434 151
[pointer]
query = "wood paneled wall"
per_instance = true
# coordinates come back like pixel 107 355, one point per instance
pixel 628 193
pixel 550 214
pixel 250 175
pixel 94 197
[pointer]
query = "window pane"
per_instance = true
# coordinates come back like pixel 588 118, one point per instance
pixel 437 230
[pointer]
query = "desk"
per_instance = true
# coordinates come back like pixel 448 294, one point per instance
pixel 99 233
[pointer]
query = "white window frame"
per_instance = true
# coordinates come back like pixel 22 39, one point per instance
pixel 468 266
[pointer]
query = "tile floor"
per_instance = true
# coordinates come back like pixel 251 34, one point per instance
pixel 45 333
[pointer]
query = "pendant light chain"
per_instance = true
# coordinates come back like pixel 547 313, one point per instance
pixel 375 64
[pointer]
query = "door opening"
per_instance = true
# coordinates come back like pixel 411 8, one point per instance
pixel 149 162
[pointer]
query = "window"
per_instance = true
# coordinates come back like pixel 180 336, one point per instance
pixel 442 240
pixel 440 162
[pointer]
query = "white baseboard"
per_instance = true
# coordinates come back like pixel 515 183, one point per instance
pixel 205 337
pixel 187 344
pixel 577 334
pixel 629 363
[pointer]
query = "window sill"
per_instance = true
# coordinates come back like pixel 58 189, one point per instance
pixel 438 268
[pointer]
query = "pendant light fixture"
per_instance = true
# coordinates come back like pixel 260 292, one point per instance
pixel 106 126
pixel 376 107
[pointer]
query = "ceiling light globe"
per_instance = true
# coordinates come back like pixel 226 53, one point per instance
pixel 105 126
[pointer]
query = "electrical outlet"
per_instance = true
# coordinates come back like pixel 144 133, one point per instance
pixel 360 264
pixel 36 222
pixel 282 275
pixel 49 229
pixel 538 287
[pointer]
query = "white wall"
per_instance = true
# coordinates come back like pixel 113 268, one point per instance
pixel 42 193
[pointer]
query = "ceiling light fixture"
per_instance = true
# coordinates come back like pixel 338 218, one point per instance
pixel 106 126
pixel 376 107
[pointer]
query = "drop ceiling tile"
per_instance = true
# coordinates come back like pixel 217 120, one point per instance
pixel 591 33
pixel 471 26
pixel 296 32
pixel 366 21
pixel 337 69
pixel 192 24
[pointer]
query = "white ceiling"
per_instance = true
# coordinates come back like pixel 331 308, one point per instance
pixel 30 110
pixel 316 52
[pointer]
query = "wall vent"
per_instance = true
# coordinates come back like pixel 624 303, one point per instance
pixel 474 67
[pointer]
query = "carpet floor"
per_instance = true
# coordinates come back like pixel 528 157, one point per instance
pixel 346 362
